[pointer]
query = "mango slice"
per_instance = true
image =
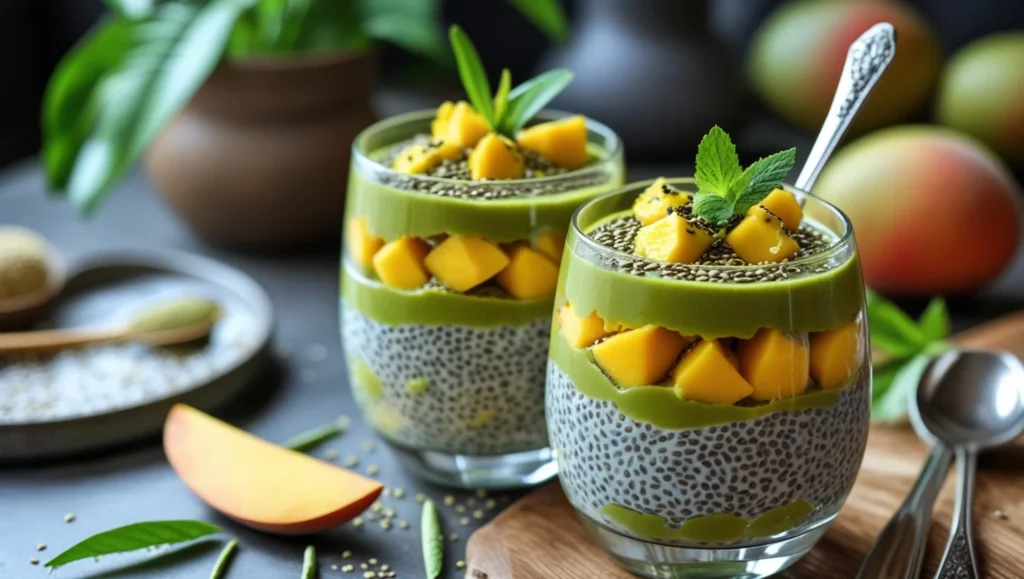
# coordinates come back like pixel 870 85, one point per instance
pixel 496 157
pixel 655 201
pixel 551 245
pixel 639 357
pixel 836 355
pixel 439 126
pixel 400 263
pixel 465 127
pixel 783 204
pixel 708 373
pixel 581 332
pixel 672 239
pixel 562 142
pixel 775 364
pixel 529 275
pixel 463 262
pixel 361 243
pixel 420 158
pixel 760 237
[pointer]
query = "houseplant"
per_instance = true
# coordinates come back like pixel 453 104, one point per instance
pixel 247 108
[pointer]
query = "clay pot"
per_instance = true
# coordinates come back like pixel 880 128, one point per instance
pixel 258 159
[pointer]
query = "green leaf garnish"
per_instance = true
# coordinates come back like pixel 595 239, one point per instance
pixel 221 566
pixel 718 165
pixel 309 563
pixel 547 15
pixel 134 537
pixel 501 97
pixel 315 436
pixel 472 73
pixel 433 540
pixel 934 322
pixel 527 99
pixel 713 208
pixel 761 177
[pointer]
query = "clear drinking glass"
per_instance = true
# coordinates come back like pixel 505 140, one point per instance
pixel 674 487
pixel 454 382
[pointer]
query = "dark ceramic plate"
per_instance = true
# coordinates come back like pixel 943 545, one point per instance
pixel 83 400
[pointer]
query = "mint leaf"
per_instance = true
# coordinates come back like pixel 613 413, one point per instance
pixel 472 73
pixel 717 163
pixel 761 177
pixel 891 329
pixel 714 209
pixel 934 322
pixel 890 405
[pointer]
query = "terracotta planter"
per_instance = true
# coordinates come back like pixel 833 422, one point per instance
pixel 259 157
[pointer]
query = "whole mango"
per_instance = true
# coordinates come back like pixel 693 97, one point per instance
pixel 934 211
pixel 982 93
pixel 797 57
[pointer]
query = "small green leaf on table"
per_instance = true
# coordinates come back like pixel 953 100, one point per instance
pixel 433 540
pixel 309 563
pixel 315 436
pixel 134 537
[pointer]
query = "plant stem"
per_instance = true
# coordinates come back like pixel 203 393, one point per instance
pixel 309 563
pixel 225 557
pixel 313 437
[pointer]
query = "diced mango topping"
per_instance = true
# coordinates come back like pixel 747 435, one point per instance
pixel 639 357
pixel 361 243
pixel 783 204
pixel 707 373
pixel 836 355
pixel 420 158
pixel 562 142
pixel 529 275
pixel 439 126
pixel 760 238
pixel 465 127
pixel 656 200
pixel 400 263
pixel 551 245
pixel 672 239
pixel 775 364
pixel 496 157
pixel 581 332
pixel 463 262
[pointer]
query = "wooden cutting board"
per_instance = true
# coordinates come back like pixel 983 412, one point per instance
pixel 540 537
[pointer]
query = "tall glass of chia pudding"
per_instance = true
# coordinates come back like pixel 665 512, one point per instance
pixel 708 387
pixel 448 279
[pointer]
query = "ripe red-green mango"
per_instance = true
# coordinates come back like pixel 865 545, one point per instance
pixel 982 93
pixel 797 56
pixel 934 211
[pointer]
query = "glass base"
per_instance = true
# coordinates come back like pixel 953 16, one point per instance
pixel 499 471
pixel 659 561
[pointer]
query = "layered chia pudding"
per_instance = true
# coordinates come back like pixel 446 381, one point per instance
pixel 708 384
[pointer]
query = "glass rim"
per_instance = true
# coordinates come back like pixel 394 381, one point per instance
pixel 841 245
pixel 611 155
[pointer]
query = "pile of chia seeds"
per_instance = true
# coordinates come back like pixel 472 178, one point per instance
pixel 458 170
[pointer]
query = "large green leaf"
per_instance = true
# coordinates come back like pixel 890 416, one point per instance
pixel 473 75
pixel 412 24
pixel 134 537
pixel 132 9
pixel 892 330
pixel 547 15
pixel 172 54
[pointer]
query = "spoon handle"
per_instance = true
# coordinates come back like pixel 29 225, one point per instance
pixel 869 56
pixel 959 561
pixel 899 550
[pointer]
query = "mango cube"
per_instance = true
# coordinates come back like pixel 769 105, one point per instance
pixel 463 262
pixel 439 126
pixel 672 239
pixel 420 158
pixel 760 238
pixel 774 363
pixel 551 245
pixel 563 142
pixel 836 355
pixel 496 157
pixel 400 263
pixel 639 357
pixel 465 126
pixel 654 203
pixel 581 332
pixel 361 243
pixel 783 204
pixel 708 373
pixel 529 275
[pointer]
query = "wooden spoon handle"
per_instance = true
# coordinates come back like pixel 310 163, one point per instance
pixel 48 340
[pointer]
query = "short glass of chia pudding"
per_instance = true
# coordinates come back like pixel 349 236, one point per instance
pixel 708 389
pixel 447 284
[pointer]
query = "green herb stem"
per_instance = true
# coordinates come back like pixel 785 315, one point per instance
pixel 313 437
pixel 221 566
pixel 433 540
pixel 309 563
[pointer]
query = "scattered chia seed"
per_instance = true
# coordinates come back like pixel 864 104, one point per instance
pixel 1001 515
pixel 398 493
pixel 454 537
pixel 449 500
pixel 372 470
pixel 478 514
pixel 348 568
pixel 346 554
pixel 34 561
pixel 357 522
pixel 368 445
pixel 460 564
pixel 460 508
pixel 69 518
pixel 420 497
pixel 480 493
pixel 41 547
pixel 352 461
pixel 403 524
pixel 330 454
pixel 464 521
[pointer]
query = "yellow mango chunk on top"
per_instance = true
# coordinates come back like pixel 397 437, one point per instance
pixel 639 357
pixel 400 263
pixel 836 355
pixel 672 239
pixel 783 204
pixel 361 244
pixel 463 262
pixel 759 237
pixel 420 158
pixel 465 127
pixel 551 245
pixel 496 157
pixel 708 373
pixel 563 142
pixel 581 332
pixel 654 203
pixel 529 275
pixel 439 126
pixel 774 364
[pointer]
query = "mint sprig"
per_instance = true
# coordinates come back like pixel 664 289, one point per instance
pixel 724 188
pixel 509 109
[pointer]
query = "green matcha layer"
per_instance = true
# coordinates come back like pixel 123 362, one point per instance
pixel 719 528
